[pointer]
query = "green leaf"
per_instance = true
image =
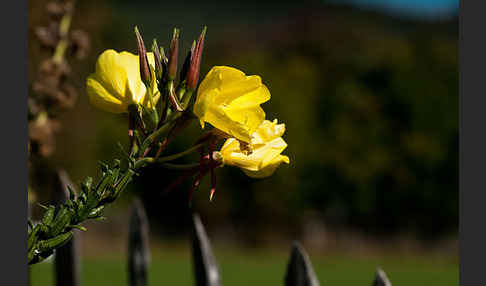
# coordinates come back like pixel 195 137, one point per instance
pixel 55 242
pixel 87 183
pixel 103 166
pixel 122 149
pixel 48 215
pixel 96 212
pixel 42 206
pixel 33 237
pixel 104 182
pixel 78 227
pixel 72 194
pixel 63 218
pixel 47 219
pixel 31 224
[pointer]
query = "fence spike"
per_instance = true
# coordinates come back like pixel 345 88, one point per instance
pixel 138 245
pixel 205 268
pixel 381 279
pixel 66 259
pixel 299 268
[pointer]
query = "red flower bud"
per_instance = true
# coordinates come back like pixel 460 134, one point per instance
pixel 145 74
pixel 193 73
pixel 173 54
pixel 158 60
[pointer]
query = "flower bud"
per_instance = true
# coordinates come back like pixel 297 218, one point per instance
pixel 165 60
pixel 187 62
pixel 165 63
pixel 145 74
pixel 173 54
pixel 158 60
pixel 193 73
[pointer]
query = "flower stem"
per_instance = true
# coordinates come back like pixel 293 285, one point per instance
pixel 159 133
pixel 171 166
pixel 151 160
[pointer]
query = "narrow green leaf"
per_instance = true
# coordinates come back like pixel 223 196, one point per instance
pixel 55 242
pixel 42 206
pixel 78 227
pixel 72 194
pixel 63 218
pixel 33 237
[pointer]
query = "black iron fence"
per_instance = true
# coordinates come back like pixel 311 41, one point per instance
pixel 206 271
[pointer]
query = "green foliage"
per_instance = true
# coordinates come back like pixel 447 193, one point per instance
pixel 55 227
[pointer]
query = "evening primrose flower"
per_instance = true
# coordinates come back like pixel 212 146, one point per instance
pixel 230 101
pixel 116 82
pixel 267 148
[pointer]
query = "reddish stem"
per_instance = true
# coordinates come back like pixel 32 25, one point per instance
pixel 178 127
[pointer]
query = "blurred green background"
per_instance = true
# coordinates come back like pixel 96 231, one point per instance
pixel 370 102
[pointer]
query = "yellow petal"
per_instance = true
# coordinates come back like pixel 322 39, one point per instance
pixel 111 74
pixel 261 157
pixel 268 131
pixel 230 145
pixel 267 146
pixel 269 169
pixel 251 118
pixel 220 119
pixel 219 77
pixel 131 65
pixel 137 87
pixel 230 101
pixel 116 82
pixel 251 98
pixel 101 98
pixel 284 159
pixel 270 151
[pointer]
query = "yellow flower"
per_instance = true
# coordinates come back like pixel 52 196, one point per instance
pixel 116 82
pixel 230 101
pixel 267 145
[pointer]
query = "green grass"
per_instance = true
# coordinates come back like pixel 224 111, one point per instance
pixel 264 268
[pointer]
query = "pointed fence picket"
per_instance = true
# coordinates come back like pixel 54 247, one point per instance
pixel 381 279
pixel 66 259
pixel 206 271
pixel 138 246
pixel 299 268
